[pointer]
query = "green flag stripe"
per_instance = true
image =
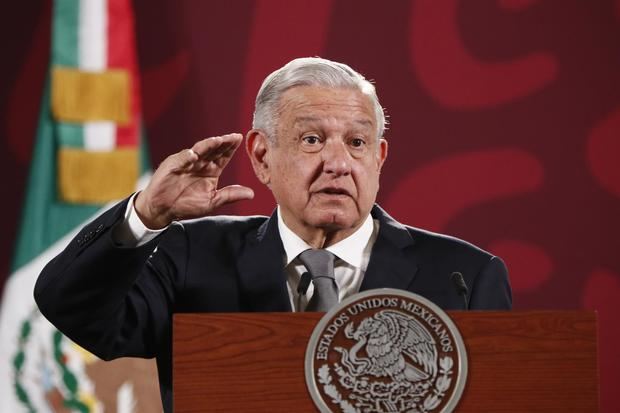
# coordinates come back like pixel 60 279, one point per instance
pixel 65 25
pixel 44 218
pixel 70 135
pixel 65 43
pixel 145 161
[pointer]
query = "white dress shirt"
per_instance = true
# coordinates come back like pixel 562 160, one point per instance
pixel 131 232
pixel 352 256
pixel 352 253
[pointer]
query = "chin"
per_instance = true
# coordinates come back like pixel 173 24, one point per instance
pixel 334 220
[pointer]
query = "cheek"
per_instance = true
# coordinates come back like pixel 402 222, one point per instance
pixel 304 170
pixel 293 184
pixel 367 177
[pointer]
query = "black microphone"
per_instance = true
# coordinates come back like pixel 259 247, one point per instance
pixel 302 287
pixel 461 287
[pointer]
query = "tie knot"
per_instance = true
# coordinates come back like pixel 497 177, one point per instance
pixel 320 263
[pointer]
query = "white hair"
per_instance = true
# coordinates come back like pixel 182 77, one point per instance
pixel 309 71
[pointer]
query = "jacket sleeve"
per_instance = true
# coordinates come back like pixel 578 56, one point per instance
pixel 491 288
pixel 111 300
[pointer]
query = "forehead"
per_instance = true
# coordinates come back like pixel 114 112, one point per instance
pixel 313 104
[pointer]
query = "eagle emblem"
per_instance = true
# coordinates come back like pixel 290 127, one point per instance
pixel 386 355
pixel 395 346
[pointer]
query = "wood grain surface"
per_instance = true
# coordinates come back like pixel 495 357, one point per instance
pixel 518 362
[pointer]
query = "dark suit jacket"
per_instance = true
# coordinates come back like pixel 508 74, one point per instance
pixel 118 302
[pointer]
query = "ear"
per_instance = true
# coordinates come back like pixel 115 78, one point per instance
pixel 382 153
pixel 257 147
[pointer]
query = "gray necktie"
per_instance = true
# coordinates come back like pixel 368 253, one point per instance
pixel 320 264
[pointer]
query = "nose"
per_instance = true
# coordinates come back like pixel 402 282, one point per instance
pixel 336 158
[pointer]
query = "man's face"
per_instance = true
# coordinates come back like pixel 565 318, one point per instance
pixel 324 168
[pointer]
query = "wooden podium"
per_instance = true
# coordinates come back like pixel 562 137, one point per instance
pixel 534 361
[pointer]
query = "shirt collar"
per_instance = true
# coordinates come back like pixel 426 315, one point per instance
pixel 350 249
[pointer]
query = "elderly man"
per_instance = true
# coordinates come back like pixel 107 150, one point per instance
pixel 317 143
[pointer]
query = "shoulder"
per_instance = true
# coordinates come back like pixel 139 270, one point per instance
pixel 218 228
pixel 445 243
pixel 485 274
pixel 432 244
pixel 437 256
pixel 210 236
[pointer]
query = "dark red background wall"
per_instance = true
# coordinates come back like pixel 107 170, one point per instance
pixel 505 119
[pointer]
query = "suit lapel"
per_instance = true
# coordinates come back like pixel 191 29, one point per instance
pixel 261 270
pixel 261 264
pixel 390 265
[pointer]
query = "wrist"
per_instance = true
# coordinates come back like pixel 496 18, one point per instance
pixel 149 219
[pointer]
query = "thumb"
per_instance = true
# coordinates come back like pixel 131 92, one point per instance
pixel 230 194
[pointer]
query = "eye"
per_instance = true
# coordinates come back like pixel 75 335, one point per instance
pixel 311 139
pixel 357 142
pixel 311 143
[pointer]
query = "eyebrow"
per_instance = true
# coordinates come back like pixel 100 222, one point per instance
pixel 313 119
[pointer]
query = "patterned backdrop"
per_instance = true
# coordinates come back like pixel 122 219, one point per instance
pixel 504 119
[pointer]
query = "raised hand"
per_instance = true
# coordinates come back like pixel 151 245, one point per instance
pixel 185 185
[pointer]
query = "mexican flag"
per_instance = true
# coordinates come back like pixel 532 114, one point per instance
pixel 87 154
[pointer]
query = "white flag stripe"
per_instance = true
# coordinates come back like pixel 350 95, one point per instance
pixel 93 56
pixel 93 35
pixel 99 136
pixel 19 286
pixel 16 305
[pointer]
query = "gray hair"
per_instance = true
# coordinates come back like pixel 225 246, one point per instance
pixel 309 71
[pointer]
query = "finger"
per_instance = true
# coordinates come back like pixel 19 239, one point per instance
pixel 213 168
pixel 223 153
pixel 211 148
pixel 231 193
pixel 180 160
pixel 219 152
